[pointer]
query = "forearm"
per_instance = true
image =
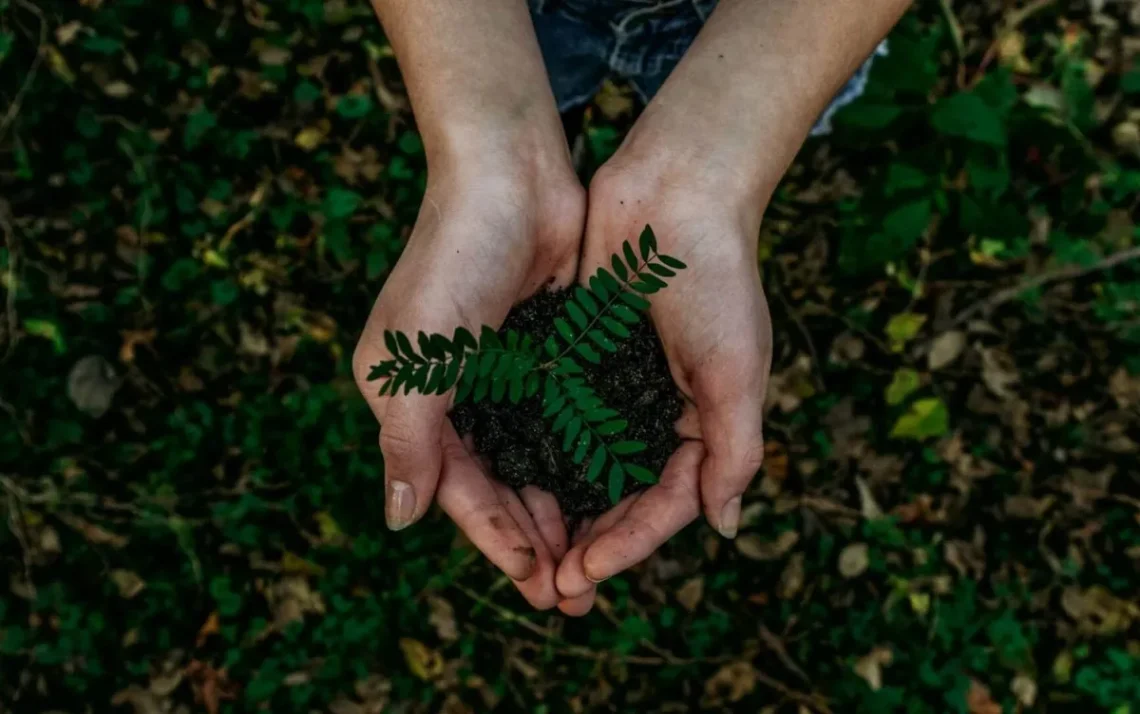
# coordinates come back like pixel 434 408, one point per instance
pixel 474 75
pixel 747 92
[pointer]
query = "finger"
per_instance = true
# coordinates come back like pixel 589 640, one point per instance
pixel 571 578
pixel 469 497
pixel 731 414
pixel 660 512
pixel 538 589
pixel 579 606
pixel 543 507
pixel 410 442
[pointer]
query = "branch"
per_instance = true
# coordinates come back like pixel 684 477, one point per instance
pixel 1067 273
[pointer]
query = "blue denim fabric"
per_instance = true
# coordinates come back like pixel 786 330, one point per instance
pixel 640 41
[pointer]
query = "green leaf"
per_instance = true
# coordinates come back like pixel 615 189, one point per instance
pixel 463 392
pixel 354 106
pixel 512 340
pixel 451 375
pixel 625 314
pixel 926 418
pixel 576 314
pixel 435 378
pixel 609 281
pixel 598 287
pixel 488 339
pixel 600 414
pixel 618 329
pixel 647 243
pixel 588 353
pixel 583 446
pixel 480 390
pixel 470 370
pixel 903 328
pixel 635 301
pixel 498 390
pixel 625 448
pixel 406 348
pixel 390 343
pixel 551 347
pixel 503 364
pixel 567 365
pixel 902 385
pixel 640 473
pixel 563 419
pixel 516 388
pixel 340 203
pixel 653 281
pixel 612 427
pixel 672 262
pixel 619 269
pixel 486 363
pixel 463 340
pixel 661 270
pixel 630 256
pixel 565 330
pixel 427 347
pixel 532 384
pixel 968 116
pixel 908 222
pixel 582 295
pixel 572 430
pixel 553 406
pixel 597 461
pixel 617 482
pixel 601 340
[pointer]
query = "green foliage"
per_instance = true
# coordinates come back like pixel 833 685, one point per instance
pixel 512 366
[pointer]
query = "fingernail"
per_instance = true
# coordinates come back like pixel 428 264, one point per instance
pixel 400 504
pixel 595 582
pixel 730 518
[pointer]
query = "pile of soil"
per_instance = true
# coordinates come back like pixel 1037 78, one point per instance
pixel 518 442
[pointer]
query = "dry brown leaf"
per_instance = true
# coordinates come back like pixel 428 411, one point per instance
pixel 442 618
pixel 210 627
pixel 944 349
pixel 792 578
pixel 731 683
pixel 754 547
pixel 870 666
pixel 979 701
pixel 999 372
pixel 690 594
pixel 1024 688
pixel 128 583
pixel 141 700
pixel 94 534
pixel 854 560
pixel 1097 611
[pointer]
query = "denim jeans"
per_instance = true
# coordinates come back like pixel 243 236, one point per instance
pixel 584 41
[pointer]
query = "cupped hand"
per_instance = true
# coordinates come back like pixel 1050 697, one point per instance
pixel 487 237
pixel 714 324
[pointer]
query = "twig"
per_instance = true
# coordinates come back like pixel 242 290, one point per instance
pixel 1052 276
pixel 817 372
pixel 14 109
pixel 504 612
pixel 10 300
pixel 956 36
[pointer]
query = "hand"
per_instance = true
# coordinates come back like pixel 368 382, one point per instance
pixel 714 324
pixel 488 236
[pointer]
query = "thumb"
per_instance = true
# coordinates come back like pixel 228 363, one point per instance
pixel 410 440
pixel 731 427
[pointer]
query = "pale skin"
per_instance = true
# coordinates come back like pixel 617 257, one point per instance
pixel 505 216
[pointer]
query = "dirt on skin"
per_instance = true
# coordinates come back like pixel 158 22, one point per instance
pixel 518 443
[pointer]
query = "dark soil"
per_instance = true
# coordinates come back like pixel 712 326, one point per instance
pixel 517 440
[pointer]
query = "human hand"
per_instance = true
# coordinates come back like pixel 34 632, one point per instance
pixel 489 234
pixel 714 324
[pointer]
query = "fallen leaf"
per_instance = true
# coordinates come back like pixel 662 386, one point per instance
pixel 210 627
pixel 424 662
pixel 902 385
pixel 442 618
pixel 92 533
pixel 1097 611
pixel 65 33
pixel 792 578
pixel 690 594
pixel 128 583
pixel 1027 507
pixel 754 547
pixel 731 683
pixel 999 372
pixel 868 506
pixel 141 700
pixel 613 101
pixel 979 701
pixel 903 328
pixel 117 89
pixel 926 418
pixel 870 666
pixel 91 385
pixel 311 137
pixel 132 339
pixel 854 560
pixel 945 348
pixel 1024 688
